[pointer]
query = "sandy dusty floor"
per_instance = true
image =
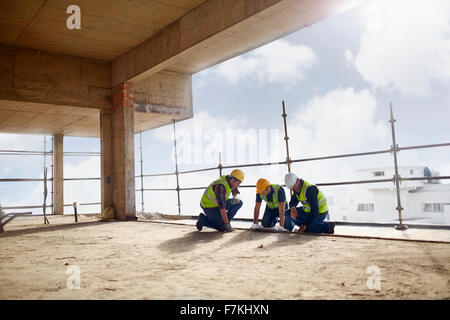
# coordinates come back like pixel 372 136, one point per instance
pixel 147 260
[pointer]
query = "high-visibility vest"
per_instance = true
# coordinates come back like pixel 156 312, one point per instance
pixel 274 203
pixel 323 205
pixel 209 196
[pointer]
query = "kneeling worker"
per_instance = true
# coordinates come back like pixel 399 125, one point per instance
pixel 309 217
pixel 275 198
pixel 218 210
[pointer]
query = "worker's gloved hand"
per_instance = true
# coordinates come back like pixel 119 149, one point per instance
pixel 302 228
pixel 256 226
pixel 280 228
pixel 235 200
pixel 228 228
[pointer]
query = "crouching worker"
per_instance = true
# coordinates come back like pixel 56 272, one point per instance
pixel 309 217
pixel 275 198
pixel 218 210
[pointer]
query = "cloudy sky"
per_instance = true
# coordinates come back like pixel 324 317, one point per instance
pixel 337 79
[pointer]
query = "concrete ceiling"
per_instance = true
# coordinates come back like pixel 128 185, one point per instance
pixel 108 28
pixel 36 118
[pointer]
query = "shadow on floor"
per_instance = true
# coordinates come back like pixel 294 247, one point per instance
pixel 195 239
pixel 282 239
pixel 189 241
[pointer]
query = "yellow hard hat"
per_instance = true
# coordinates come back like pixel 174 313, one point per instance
pixel 238 174
pixel 262 185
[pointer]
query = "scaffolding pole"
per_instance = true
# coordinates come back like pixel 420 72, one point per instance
pixel 397 178
pixel 44 205
pixel 142 172
pixel 286 138
pixel 176 166
pixel 53 175
pixel 220 164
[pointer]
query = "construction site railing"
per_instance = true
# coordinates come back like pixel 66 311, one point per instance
pixel 50 206
pixel 46 153
pixel 394 149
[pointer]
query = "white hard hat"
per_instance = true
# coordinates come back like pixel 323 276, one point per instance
pixel 290 179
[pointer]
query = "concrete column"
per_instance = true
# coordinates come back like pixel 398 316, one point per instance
pixel 117 140
pixel 58 174
pixel 106 158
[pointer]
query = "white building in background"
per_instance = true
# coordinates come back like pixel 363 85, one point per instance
pixel 423 201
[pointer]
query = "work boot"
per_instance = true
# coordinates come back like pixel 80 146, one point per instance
pixel 198 224
pixel 332 225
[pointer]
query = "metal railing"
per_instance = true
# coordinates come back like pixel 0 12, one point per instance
pixel 394 149
pixel 46 180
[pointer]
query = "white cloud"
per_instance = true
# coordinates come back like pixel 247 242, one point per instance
pixel 276 62
pixel 349 56
pixel 202 138
pixel 203 119
pixel 342 121
pixel 89 168
pixel 339 121
pixel 23 142
pixel 405 45
pixel 83 191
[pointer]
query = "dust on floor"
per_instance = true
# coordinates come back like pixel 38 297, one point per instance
pixel 146 260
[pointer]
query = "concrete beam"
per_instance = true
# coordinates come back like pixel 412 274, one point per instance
pixel 33 76
pixel 218 30
pixel 175 112
pixel 170 89
pixel 161 98
pixel 208 19
pixel 58 174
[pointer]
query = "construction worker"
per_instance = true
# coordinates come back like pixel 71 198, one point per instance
pixel 275 198
pixel 218 210
pixel 309 217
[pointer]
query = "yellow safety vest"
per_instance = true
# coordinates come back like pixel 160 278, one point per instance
pixel 274 203
pixel 209 196
pixel 323 205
